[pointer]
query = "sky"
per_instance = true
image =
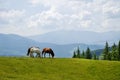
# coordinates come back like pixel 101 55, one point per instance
pixel 32 17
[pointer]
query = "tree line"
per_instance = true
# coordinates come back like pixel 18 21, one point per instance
pixel 84 54
pixel 111 53
pixel 108 53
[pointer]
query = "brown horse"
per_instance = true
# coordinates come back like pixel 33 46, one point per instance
pixel 49 51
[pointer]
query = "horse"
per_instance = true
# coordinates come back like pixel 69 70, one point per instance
pixel 49 51
pixel 32 50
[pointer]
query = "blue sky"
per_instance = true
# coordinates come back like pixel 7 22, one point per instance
pixel 31 17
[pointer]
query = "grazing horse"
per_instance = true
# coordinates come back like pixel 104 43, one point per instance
pixel 32 50
pixel 49 51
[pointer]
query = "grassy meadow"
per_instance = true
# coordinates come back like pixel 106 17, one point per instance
pixel 25 68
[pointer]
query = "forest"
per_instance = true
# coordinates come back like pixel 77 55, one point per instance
pixel 108 53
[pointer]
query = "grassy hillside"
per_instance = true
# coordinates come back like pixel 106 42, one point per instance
pixel 22 68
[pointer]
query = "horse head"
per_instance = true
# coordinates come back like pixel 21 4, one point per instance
pixel 52 53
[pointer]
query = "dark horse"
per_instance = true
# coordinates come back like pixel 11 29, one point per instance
pixel 49 51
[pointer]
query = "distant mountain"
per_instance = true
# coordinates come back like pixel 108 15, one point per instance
pixel 11 44
pixel 86 37
pixel 15 45
pixel 100 51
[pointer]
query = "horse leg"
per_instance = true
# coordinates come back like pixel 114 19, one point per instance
pixel 44 55
pixel 38 55
pixel 49 55
pixel 31 55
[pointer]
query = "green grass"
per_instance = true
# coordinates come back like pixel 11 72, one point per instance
pixel 22 68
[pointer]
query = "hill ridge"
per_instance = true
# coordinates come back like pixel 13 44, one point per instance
pixel 15 45
pixel 86 37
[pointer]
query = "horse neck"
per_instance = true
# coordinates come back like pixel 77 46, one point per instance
pixel 52 53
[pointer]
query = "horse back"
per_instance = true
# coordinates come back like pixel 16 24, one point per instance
pixel 48 50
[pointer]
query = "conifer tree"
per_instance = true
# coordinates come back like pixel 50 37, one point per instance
pixel 78 52
pixel 83 54
pixel 94 56
pixel 114 55
pixel 118 51
pixel 74 55
pixel 105 52
pixel 110 56
pixel 88 54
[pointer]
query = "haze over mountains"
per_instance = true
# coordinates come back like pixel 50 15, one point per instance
pixel 62 42
pixel 86 37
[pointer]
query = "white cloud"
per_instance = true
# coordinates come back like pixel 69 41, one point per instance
pixel 84 15
pixel 93 15
pixel 11 13
pixel 111 8
pixel 34 2
pixel 44 18
pixel 11 16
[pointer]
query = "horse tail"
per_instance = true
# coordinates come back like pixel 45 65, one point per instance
pixel 28 51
